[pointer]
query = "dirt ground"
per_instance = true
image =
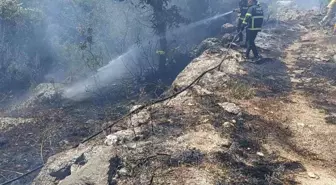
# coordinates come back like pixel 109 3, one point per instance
pixel 299 96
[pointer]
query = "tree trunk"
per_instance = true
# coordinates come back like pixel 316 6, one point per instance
pixel 163 55
pixel 160 26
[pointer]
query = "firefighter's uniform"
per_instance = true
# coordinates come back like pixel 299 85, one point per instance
pixel 330 14
pixel 243 7
pixel 253 22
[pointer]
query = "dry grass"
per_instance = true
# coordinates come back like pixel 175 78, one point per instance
pixel 240 90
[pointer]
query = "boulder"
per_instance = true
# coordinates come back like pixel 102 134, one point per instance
pixel 121 137
pixel 81 166
pixel 206 44
pixel 205 62
pixel 44 93
pixel 230 107
pixel 59 166
pixel 111 140
pixel 228 28
pixel 123 172
pixel 226 39
pixel 140 118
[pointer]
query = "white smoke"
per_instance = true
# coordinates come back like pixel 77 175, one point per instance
pixel 122 65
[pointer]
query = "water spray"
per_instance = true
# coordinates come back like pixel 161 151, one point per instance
pixel 120 66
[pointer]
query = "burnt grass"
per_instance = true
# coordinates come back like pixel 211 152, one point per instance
pixel 245 167
pixel 240 160
pixel 62 124
pixel 54 130
pixel 323 74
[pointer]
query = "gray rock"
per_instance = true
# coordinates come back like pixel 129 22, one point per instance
pixel 123 172
pixel 131 146
pixel 202 91
pixel 140 118
pixel 206 44
pixel 44 93
pixel 226 143
pixel 73 166
pixel 226 39
pixel 333 59
pixel 111 140
pixel 227 125
pixel 121 137
pixel 312 175
pixel 228 28
pixel 260 154
pixel 230 107
pixel 203 63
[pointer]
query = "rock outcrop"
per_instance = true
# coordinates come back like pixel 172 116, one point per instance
pixel 7 123
pixel 43 94
pixel 214 44
pixel 228 28
pixel 157 140
pixel 209 43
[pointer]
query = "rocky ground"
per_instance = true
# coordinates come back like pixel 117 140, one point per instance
pixel 42 124
pixel 268 122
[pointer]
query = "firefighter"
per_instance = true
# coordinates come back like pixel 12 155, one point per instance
pixel 242 10
pixel 330 13
pixel 253 22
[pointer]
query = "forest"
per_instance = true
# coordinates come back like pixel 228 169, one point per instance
pixel 65 41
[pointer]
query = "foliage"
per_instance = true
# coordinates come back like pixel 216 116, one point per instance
pixel 48 40
pixel 22 48
pixel 164 15
pixel 57 39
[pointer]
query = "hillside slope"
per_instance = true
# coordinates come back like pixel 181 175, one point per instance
pixel 271 122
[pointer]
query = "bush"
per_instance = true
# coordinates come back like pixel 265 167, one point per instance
pixel 22 49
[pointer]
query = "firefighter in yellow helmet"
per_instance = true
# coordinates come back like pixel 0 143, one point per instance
pixel 243 7
pixel 253 22
pixel 242 10
pixel 330 13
